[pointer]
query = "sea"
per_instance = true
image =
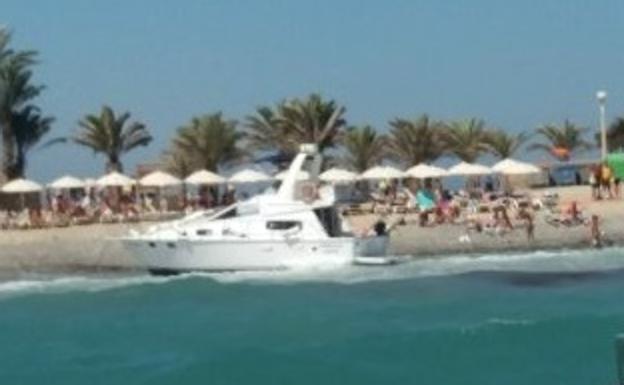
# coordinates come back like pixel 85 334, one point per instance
pixel 532 318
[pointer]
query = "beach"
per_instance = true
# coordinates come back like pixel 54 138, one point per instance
pixel 93 248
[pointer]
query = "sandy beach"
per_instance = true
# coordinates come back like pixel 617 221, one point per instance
pixel 92 248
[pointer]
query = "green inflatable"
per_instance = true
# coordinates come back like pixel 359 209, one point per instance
pixel 616 162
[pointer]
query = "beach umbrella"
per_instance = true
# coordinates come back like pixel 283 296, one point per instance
pixel 469 169
pixel 205 177
pixel 301 175
pixel 249 176
pixel 90 182
pixel 21 186
pixel 382 172
pixel 115 179
pixel 159 179
pixel 67 182
pixel 337 175
pixel 424 171
pixel 514 167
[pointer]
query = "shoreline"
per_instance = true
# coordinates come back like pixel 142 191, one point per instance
pixel 89 248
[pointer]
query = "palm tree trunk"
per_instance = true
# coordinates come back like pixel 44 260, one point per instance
pixel 114 164
pixel 8 151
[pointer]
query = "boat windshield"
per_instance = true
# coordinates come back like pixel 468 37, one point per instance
pixel 331 221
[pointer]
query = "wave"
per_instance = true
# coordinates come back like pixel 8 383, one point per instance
pixel 564 261
pixel 80 283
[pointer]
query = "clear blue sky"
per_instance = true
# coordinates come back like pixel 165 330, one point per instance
pixel 516 64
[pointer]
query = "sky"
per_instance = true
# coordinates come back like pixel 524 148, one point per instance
pixel 516 64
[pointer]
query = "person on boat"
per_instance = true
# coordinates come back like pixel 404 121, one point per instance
pixel 229 197
pixel 380 228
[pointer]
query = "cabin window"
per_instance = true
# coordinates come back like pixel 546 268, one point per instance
pixel 282 225
pixel 203 232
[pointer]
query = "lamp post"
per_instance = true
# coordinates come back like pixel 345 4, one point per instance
pixel 601 96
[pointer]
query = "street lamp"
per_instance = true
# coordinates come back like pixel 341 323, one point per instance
pixel 602 101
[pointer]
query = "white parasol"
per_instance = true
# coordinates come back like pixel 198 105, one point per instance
pixel 115 179
pixel 249 176
pixel 301 175
pixel 382 172
pixel 204 177
pixel 514 167
pixel 337 175
pixel 67 182
pixel 159 179
pixel 424 171
pixel 21 186
pixel 469 169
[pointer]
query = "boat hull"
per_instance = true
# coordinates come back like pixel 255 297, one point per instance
pixel 173 256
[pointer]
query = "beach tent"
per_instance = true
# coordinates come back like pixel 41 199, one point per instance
pixel 115 179
pixel 204 177
pixel 21 186
pixel 469 169
pixel 513 167
pixel 382 172
pixel 616 162
pixel 159 179
pixel 424 171
pixel 337 175
pixel 67 182
pixel 249 176
pixel 301 175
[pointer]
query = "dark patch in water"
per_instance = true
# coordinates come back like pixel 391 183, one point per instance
pixel 545 279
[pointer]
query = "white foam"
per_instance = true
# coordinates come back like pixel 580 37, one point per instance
pixel 540 261
pixel 81 283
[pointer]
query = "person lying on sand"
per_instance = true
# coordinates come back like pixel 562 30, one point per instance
pixel 572 216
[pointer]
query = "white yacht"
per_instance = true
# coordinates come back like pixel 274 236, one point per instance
pixel 299 225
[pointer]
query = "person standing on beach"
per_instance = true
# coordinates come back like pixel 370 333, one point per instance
pixel 596 235
pixel 594 182
pixel 526 216
pixel 605 175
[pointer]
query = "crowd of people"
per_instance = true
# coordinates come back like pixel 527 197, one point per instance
pixel 112 205
pixel 482 209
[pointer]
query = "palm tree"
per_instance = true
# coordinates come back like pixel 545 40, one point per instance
pixel 503 144
pixel 29 126
pixel 615 136
pixel 562 141
pixel 415 141
pixel 16 94
pixel 206 142
pixel 110 135
pixel 466 139
pixel 364 146
pixel 296 121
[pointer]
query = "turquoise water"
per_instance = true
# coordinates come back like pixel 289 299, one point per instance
pixel 534 319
